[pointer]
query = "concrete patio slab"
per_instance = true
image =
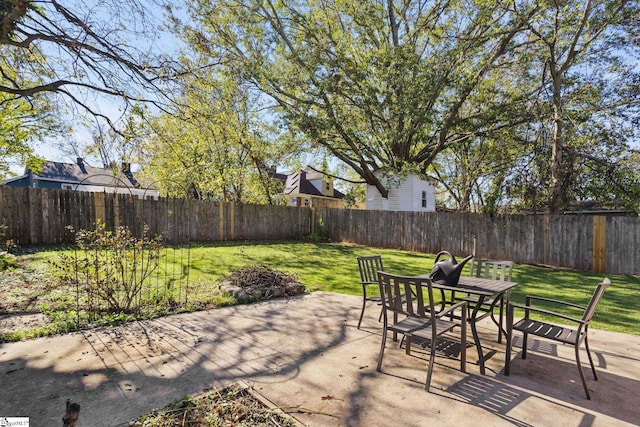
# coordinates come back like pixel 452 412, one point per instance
pixel 306 355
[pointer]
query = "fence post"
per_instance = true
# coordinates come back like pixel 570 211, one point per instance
pixel 35 216
pixel 599 244
pixel 221 221
pixel 545 236
pixel 232 221
pixel 99 200
pixel 116 212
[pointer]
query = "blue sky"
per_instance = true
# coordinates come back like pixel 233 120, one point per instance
pixel 99 12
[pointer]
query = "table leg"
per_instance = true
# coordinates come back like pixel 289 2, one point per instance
pixel 503 298
pixel 503 306
pixel 474 331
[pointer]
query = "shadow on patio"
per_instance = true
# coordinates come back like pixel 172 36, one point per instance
pixel 306 355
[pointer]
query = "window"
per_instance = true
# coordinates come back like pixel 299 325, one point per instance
pixel 424 199
pixel 306 202
pixel 67 187
pixel 328 186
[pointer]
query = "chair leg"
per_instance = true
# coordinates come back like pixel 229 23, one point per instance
pixel 364 303
pixel 384 341
pixel 395 334
pixel 463 341
pixel 507 357
pixel 524 344
pixel 586 345
pixel 500 320
pixel 431 359
pixel 584 382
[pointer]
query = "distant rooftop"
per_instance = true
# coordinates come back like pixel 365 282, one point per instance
pixel 300 183
pixel 82 173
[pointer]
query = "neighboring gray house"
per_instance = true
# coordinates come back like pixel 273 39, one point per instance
pixel 411 194
pixel 81 177
pixel 310 188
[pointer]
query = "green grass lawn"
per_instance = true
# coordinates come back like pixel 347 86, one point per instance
pixel 333 268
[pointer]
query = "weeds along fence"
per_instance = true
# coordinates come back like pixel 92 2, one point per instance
pixel 584 242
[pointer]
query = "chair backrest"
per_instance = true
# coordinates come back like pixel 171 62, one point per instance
pixel 408 296
pixel 595 299
pixel 369 267
pixel 490 269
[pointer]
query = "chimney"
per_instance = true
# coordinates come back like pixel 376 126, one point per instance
pixel 81 165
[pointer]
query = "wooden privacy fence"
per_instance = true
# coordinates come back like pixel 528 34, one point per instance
pixel 583 242
pixel 33 216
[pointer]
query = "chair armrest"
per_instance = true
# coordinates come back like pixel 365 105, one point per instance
pixel 460 305
pixel 543 311
pixel 555 301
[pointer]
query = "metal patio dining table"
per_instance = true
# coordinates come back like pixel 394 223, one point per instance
pixel 480 290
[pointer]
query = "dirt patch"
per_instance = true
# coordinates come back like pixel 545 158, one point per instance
pixel 24 291
pixel 22 321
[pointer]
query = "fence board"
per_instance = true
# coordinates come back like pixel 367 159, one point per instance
pixel 599 244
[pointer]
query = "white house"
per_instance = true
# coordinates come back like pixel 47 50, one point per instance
pixel 411 194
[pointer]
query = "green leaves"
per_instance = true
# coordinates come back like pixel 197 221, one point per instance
pixel 375 84
pixel 216 147
pixel 22 123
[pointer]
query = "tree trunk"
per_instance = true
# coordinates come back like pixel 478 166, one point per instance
pixel 557 171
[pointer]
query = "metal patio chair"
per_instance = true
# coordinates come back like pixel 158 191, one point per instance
pixel 369 267
pixel 496 270
pixel 410 301
pixel 574 336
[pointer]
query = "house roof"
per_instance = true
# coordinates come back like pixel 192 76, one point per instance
pixel 80 172
pixel 300 183
pixel 280 176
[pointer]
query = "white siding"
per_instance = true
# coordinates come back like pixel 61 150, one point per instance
pixel 404 196
pixel 140 193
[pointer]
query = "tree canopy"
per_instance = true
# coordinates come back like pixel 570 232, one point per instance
pixel 378 84
pixel 78 48
pixel 72 57
pixel 528 105
pixel 23 121
pixel 213 146
pixel 404 86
